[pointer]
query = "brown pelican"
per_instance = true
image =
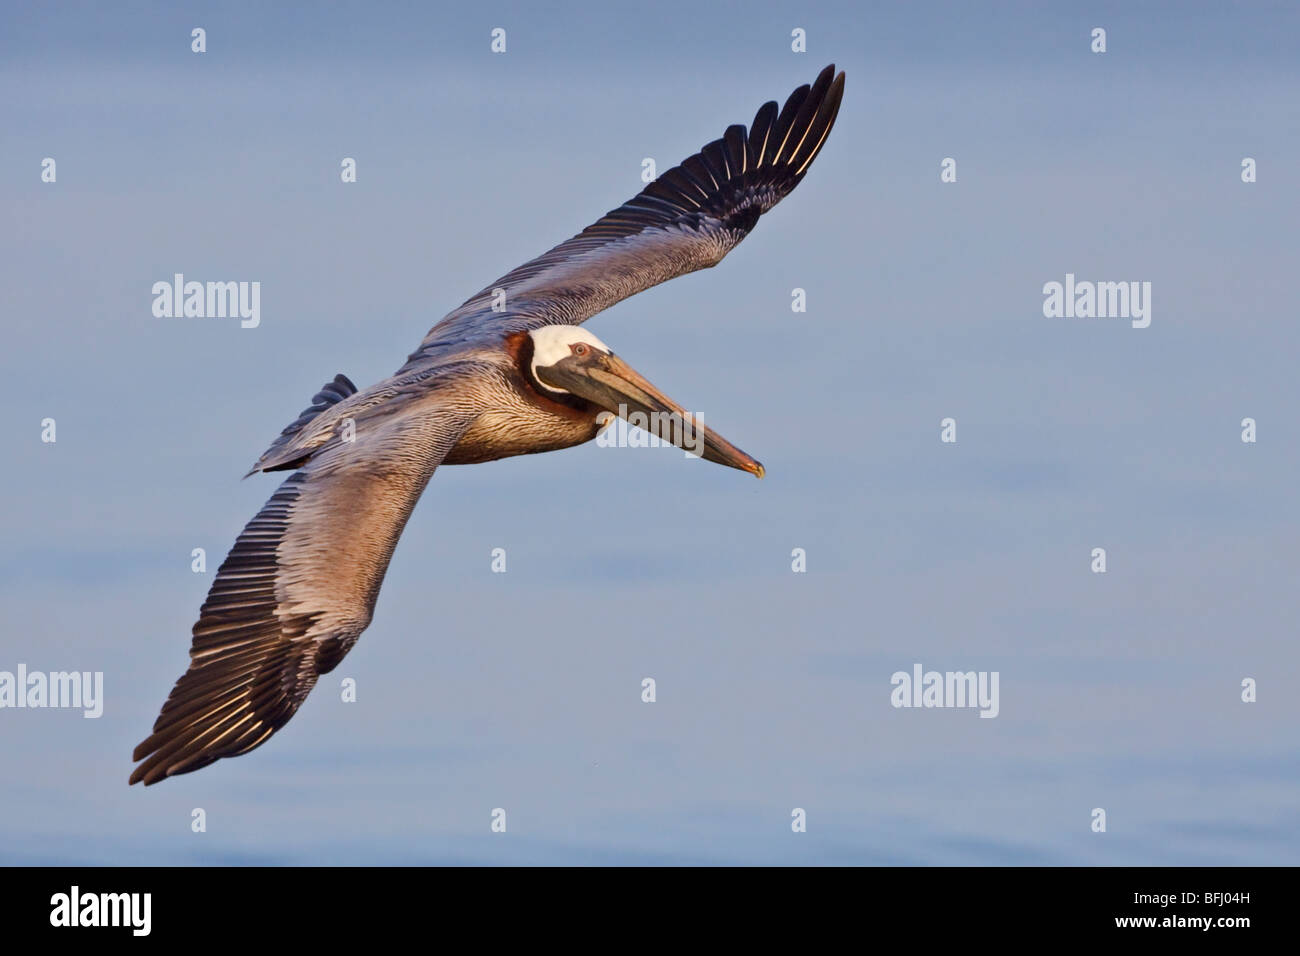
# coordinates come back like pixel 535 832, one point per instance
pixel 507 373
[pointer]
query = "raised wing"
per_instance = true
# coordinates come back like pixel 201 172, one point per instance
pixel 297 589
pixel 687 219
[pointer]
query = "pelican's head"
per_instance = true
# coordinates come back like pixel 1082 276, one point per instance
pixel 569 360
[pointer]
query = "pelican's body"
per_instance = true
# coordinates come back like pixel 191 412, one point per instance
pixel 492 380
pixel 525 420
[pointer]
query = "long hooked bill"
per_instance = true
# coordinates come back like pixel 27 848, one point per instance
pixel 608 381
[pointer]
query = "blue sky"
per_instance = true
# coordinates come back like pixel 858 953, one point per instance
pixel 478 690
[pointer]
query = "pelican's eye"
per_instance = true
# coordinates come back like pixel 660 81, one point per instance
pixel 579 349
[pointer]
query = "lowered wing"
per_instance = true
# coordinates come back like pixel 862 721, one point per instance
pixel 298 588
